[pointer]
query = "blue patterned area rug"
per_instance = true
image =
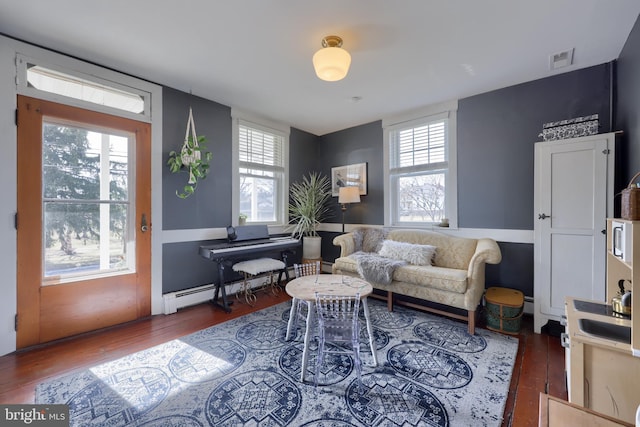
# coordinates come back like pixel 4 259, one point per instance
pixel 243 373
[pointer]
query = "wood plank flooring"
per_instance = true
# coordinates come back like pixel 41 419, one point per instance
pixel 539 365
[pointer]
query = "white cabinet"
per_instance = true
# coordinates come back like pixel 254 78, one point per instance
pixel 573 196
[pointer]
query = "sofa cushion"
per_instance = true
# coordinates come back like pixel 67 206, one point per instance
pixel 447 279
pixel 452 280
pixel 409 252
pixel 453 252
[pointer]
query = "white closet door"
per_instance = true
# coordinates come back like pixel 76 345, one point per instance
pixel 572 187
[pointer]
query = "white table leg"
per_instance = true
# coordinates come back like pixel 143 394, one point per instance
pixel 307 338
pixel 372 344
pixel 292 319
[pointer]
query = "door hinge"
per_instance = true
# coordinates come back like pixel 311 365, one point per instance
pixel 606 151
pixel 15 220
pixel 16 117
pixel 15 325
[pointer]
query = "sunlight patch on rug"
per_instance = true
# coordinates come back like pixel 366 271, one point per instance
pixel 243 372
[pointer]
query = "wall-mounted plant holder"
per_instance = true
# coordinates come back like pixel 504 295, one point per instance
pixel 192 157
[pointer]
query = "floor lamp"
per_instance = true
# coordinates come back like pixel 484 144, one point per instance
pixel 347 195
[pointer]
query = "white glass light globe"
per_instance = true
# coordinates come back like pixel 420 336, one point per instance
pixel 331 63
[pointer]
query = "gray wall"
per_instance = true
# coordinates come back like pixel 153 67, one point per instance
pixel 628 107
pixel 208 207
pixel 303 154
pixel 361 144
pixel 496 135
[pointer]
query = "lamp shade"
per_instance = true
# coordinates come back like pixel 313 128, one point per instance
pixel 349 195
pixel 331 62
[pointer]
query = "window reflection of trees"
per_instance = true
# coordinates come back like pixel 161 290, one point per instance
pixel 71 180
pixel 257 196
pixel 422 198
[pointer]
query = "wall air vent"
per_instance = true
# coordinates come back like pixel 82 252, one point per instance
pixel 561 59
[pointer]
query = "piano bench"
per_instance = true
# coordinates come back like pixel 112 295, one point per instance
pixel 253 268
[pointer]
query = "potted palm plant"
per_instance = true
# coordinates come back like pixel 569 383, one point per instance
pixel 308 207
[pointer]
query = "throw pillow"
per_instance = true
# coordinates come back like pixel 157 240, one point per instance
pixel 368 239
pixel 358 235
pixel 412 253
pixel 373 238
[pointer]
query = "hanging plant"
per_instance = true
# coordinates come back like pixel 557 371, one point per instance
pixel 193 157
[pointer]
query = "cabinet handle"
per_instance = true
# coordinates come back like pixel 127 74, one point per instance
pixel 543 216
pixel 617 232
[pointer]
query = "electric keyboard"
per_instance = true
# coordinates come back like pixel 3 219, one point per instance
pixel 247 247
pixel 245 242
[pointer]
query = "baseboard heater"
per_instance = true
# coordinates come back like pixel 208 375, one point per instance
pixel 528 305
pixel 192 296
pixel 175 300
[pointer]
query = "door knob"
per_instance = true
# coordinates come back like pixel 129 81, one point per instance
pixel 543 216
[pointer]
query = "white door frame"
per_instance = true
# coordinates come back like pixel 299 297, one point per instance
pixel 9 49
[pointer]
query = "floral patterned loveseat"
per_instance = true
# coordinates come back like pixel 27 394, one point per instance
pixel 454 276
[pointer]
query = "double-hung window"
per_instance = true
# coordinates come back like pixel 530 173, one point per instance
pixel 421 175
pixel 262 154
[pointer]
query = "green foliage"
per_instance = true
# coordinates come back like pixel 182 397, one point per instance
pixel 308 204
pixel 183 160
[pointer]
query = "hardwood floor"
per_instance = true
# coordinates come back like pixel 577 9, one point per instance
pixel 539 364
pixel 539 368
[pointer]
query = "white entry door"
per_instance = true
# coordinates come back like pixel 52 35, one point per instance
pixel 573 198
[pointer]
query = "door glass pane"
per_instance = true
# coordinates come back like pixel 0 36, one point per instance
pixel 86 195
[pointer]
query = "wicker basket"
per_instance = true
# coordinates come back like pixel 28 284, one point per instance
pixel 630 208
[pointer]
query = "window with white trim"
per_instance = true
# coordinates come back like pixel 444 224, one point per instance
pixel 262 173
pixel 421 182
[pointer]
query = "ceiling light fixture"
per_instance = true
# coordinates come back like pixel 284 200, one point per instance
pixel 331 62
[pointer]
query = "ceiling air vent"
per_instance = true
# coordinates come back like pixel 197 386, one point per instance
pixel 561 59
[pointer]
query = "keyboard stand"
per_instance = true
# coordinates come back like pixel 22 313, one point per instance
pixel 220 290
pixel 285 258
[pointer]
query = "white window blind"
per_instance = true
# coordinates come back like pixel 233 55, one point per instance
pixel 416 146
pixel 260 149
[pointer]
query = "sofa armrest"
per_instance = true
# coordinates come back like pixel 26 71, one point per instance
pixel 487 252
pixel 346 243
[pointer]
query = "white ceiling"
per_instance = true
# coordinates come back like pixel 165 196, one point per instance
pixel 256 54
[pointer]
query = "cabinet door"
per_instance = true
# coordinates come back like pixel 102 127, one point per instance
pixel 611 382
pixel 571 187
